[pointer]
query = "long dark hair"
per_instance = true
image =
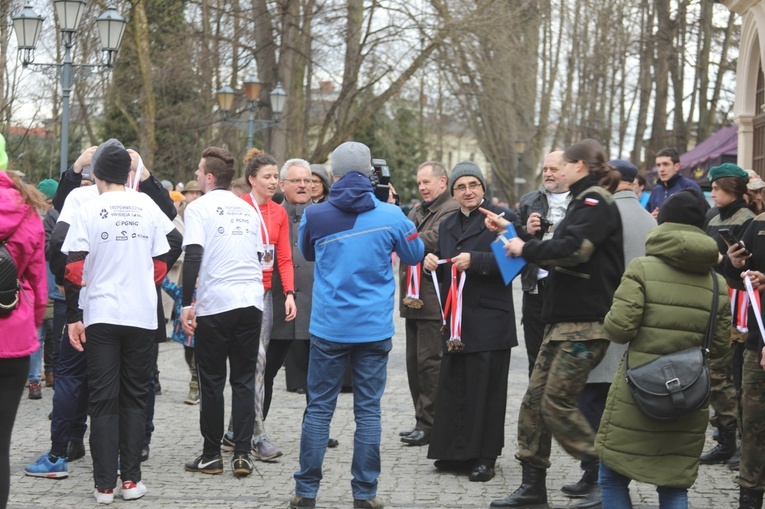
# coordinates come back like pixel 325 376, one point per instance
pixel 593 155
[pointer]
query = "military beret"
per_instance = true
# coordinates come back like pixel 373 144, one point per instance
pixel 727 170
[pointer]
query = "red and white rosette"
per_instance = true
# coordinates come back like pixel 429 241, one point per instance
pixel 413 276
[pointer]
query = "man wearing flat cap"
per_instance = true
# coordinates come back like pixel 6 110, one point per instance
pixel 350 237
pixel 119 241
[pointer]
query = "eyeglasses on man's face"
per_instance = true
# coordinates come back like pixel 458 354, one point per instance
pixel 297 182
pixel 471 185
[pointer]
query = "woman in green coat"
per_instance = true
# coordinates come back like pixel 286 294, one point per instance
pixel 661 306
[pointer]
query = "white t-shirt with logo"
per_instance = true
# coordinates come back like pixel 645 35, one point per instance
pixel 121 231
pixel 228 229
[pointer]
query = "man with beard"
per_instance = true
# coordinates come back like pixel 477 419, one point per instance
pixel 548 203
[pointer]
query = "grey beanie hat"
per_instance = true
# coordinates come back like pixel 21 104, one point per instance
pixel 351 156
pixel 111 142
pixel 320 171
pixel 464 169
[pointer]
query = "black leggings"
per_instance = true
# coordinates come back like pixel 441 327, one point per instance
pixel 13 378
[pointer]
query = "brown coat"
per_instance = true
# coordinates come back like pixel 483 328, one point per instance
pixel 426 221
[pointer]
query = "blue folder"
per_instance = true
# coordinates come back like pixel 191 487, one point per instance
pixel 509 267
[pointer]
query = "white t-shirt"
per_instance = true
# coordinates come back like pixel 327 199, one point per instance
pixel 74 201
pixel 121 231
pixel 228 229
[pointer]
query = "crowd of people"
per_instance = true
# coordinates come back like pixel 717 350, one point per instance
pixel 237 265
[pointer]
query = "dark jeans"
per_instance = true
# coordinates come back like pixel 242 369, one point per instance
pixel 13 378
pixel 118 377
pixel 59 327
pixel 70 399
pixel 231 336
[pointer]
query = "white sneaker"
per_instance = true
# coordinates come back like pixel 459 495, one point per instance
pixel 133 491
pixel 104 496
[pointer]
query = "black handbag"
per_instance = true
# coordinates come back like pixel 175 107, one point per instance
pixel 677 384
pixel 9 282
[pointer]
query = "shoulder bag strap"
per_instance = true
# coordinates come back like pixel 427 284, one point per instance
pixel 713 314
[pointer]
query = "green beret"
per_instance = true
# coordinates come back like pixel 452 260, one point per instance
pixel 727 170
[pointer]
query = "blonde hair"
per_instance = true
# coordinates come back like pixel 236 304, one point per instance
pixel 29 194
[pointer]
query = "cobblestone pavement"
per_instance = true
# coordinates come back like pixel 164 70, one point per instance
pixel 408 478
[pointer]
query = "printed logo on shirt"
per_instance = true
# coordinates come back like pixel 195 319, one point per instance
pixel 104 236
pixel 221 230
pixel 121 237
pixel 219 210
pixel 104 214
pixel 237 231
pixel 140 236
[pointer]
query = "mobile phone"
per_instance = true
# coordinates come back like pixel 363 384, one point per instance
pixel 731 239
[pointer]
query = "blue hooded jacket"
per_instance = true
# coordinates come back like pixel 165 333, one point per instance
pixel 351 238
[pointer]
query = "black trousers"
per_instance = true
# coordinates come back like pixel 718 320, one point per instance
pixel 231 336
pixel 533 326
pixel 13 379
pixel 296 365
pixel 275 355
pixel 119 368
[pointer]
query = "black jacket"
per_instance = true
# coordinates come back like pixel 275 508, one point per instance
pixel 587 254
pixel 297 328
pixel 488 316
pixel 535 201
pixel 754 240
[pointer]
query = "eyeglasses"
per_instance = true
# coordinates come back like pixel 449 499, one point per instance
pixel 297 182
pixel 472 186
pixel 316 182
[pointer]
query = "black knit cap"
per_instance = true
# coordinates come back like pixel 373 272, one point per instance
pixel 687 206
pixel 112 165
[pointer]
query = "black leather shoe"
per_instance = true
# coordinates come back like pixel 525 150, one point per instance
pixel 406 432
pixel 481 473
pixel 417 437
pixel 144 453
pixel 455 465
pixel 332 443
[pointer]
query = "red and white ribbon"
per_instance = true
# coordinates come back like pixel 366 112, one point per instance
pixel 438 290
pixel 453 306
pixel 754 298
pixel 413 274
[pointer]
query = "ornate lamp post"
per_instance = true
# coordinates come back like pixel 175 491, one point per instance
pixel 28 24
pixel 252 88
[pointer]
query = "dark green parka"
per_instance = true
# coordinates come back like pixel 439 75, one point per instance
pixel 661 306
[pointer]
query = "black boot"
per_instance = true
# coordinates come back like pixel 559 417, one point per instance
pixel 749 499
pixel 592 501
pixel 735 460
pixel 586 483
pixel 724 450
pixel 532 494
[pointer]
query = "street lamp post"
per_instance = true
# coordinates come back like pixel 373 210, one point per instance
pixel 252 88
pixel 27 25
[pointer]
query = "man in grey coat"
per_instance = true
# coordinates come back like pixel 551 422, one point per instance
pixel 637 222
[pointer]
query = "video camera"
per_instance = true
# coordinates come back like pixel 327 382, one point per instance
pixel 380 178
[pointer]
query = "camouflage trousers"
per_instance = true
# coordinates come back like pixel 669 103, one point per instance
pixel 752 466
pixel 550 408
pixel 723 397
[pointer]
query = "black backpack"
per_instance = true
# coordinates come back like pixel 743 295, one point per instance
pixel 9 281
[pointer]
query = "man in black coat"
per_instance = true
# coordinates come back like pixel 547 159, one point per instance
pixel 468 431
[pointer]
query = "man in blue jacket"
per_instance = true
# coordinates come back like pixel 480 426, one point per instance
pixel 669 181
pixel 351 238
